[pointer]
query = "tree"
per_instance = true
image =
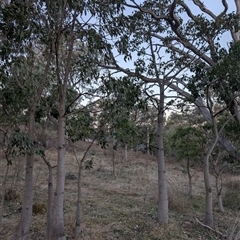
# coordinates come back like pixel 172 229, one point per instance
pixel 21 22
pixel 187 152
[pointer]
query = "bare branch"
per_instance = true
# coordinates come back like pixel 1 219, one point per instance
pixel 211 229
pixel 204 9
pixel 224 3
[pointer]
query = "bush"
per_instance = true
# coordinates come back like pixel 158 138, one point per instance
pixel 231 197
pixel 11 195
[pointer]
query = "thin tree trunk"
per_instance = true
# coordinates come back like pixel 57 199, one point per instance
pixel 219 194
pixel 3 193
pixel 148 142
pixel 190 194
pixel 50 200
pixel 162 215
pixel 208 190
pixel 58 230
pixel 78 225
pixel 220 203
pixel 113 164
pixel 126 152
pixel 189 178
pixel 26 217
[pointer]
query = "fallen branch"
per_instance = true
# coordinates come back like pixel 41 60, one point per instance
pixel 211 229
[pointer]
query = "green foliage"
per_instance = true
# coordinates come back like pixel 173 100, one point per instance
pixel 123 98
pixel 187 143
pixel 80 126
pixel 19 144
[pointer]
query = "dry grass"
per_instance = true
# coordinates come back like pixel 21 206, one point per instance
pixel 124 208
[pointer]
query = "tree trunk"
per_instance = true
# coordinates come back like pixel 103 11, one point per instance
pixel 148 142
pixel 126 152
pixel 208 189
pixel 3 193
pixel 113 164
pixel 219 194
pixel 50 201
pixel 162 215
pixel 220 203
pixel 26 216
pixel 189 178
pixel 58 230
pixel 78 224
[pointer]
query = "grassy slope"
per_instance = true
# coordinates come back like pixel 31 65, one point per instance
pixel 124 208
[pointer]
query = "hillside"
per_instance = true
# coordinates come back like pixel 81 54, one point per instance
pixel 124 208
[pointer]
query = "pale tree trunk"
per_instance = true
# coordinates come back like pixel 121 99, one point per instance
pixel 189 178
pixel 58 229
pixel 148 142
pixel 3 193
pixel 208 190
pixel 26 217
pixel 78 224
pixel 219 193
pixel 218 181
pixel 162 215
pixel 220 203
pixel 236 35
pixel 126 152
pixel 50 199
pixel 207 182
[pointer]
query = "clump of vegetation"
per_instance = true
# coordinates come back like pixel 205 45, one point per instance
pixel 178 201
pixel 231 197
pixel 11 195
pixel 39 208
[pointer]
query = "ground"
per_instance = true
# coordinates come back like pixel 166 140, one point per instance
pixel 122 208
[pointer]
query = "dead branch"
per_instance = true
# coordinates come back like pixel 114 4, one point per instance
pixel 211 229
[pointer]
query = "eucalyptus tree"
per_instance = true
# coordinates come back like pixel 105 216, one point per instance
pixel 189 153
pixel 192 34
pixel 23 41
pixel 122 99
pixel 133 38
pixel 169 32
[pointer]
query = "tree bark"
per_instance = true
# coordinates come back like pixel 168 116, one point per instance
pixel 78 224
pixel 26 217
pixel 162 215
pixel 50 200
pixel 220 203
pixel 58 230
pixel 113 163
pixel 148 142
pixel 189 178
pixel 208 190
pixel 219 194
pixel 126 152
pixel 3 194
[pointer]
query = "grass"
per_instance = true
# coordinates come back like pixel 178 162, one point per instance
pixel 125 208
